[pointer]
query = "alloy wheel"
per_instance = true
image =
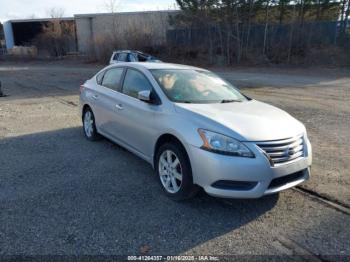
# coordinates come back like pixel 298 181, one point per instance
pixel 88 124
pixel 170 171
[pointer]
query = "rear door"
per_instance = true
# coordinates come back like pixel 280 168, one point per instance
pixel 107 99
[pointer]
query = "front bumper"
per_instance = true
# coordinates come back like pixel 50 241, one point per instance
pixel 208 168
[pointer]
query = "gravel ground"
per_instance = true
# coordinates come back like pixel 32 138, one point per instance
pixel 319 98
pixel 61 194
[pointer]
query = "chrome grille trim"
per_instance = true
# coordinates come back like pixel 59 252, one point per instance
pixel 283 151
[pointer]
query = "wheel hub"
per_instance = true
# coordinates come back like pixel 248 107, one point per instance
pixel 170 171
pixel 88 124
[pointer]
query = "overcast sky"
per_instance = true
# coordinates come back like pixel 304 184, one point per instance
pixel 19 9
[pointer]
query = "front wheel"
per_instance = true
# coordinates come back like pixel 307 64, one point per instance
pixel 174 171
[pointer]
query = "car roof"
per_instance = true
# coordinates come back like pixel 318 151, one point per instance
pixel 150 65
pixel 131 51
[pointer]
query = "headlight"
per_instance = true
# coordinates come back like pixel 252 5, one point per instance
pixel 225 145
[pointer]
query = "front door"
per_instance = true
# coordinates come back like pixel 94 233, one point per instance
pixel 138 118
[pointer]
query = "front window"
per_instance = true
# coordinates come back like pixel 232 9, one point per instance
pixel 196 86
pixel 134 83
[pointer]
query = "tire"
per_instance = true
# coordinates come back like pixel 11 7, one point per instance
pixel 89 126
pixel 169 174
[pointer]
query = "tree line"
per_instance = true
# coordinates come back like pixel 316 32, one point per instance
pixel 275 30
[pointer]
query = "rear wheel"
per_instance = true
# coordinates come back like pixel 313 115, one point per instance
pixel 89 125
pixel 174 171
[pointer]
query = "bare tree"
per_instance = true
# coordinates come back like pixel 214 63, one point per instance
pixel 345 12
pixel 32 16
pixel 290 44
pixel 112 5
pixel 104 43
pixel 55 12
pixel 57 37
pixel 266 26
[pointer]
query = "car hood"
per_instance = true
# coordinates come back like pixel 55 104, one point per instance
pixel 246 121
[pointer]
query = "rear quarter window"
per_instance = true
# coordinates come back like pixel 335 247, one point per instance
pixel 99 77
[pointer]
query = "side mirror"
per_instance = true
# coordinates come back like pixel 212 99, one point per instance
pixel 145 96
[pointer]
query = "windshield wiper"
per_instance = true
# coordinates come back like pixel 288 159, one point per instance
pixel 229 101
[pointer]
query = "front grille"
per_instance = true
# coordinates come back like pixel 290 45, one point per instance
pixel 281 181
pixel 283 151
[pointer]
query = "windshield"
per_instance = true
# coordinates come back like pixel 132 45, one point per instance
pixel 196 86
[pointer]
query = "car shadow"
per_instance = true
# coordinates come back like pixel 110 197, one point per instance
pixel 61 194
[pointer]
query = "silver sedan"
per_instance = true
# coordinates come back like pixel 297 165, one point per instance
pixel 196 130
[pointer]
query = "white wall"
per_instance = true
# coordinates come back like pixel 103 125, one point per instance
pixel 8 32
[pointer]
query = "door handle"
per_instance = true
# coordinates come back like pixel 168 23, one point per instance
pixel 95 97
pixel 119 106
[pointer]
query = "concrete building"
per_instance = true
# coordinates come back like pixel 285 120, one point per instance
pixel 121 28
pixel 91 29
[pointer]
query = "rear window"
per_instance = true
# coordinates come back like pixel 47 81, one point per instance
pixel 112 78
pixel 99 77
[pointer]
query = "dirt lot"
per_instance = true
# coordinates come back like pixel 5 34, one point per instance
pixel 320 99
pixel 61 194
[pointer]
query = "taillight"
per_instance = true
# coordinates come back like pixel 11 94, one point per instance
pixel 82 88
